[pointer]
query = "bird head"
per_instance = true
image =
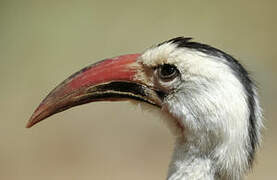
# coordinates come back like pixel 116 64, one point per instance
pixel 206 95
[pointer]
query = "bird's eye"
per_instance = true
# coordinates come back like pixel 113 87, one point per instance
pixel 167 72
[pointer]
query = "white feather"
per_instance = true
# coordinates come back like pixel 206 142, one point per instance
pixel 211 104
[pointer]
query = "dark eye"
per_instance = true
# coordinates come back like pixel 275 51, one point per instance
pixel 168 72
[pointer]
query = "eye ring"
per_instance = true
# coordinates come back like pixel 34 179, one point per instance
pixel 167 72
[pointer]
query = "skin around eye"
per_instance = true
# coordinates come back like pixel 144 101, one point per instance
pixel 167 72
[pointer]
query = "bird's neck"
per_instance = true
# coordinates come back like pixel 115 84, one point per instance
pixel 188 162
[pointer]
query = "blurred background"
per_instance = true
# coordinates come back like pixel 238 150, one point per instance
pixel 43 42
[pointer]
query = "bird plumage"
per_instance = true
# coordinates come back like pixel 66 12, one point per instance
pixel 209 100
pixel 214 98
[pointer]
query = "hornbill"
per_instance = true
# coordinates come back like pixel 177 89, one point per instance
pixel 207 96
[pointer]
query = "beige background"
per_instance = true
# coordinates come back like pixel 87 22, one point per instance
pixel 43 42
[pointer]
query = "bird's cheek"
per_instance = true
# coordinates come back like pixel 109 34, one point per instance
pixel 168 87
pixel 172 116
